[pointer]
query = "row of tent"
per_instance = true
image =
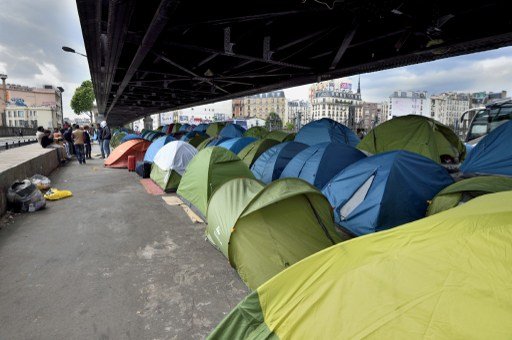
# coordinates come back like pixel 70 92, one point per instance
pixel 272 203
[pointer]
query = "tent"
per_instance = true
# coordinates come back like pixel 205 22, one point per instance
pixel 119 156
pixel 442 277
pixel 169 129
pixel 201 128
pixel 204 143
pixel 170 163
pixel 116 139
pixel 197 139
pixel 155 146
pixel 130 136
pixel 418 134
pixel 493 154
pixel 218 140
pixel 385 190
pixel 321 162
pixel 184 128
pixel 236 145
pixel 326 130
pixel 214 129
pixel 256 132
pixel 211 168
pixel 270 164
pixel 175 128
pixel 251 152
pixel 164 129
pixel 467 189
pixel 232 131
pixel 280 136
pixel 263 230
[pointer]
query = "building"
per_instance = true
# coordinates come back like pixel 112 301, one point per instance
pixel 248 123
pixel 448 108
pixel 260 105
pixel 336 101
pixel 384 112
pixel 32 106
pixel 298 113
pixel 403 103
pixel 483 98
pixel 371 115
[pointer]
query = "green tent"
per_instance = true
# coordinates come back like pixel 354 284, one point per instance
pixel 197 140
pixel 204 143
pixel 116 139
pixel 281 136
pixel 214 129
pixel 207 171
pixel 263 230
pixel 467 189
pixel 256 132
pixel 176 128
pixel 418 134
pixel 446 276
pixel 251 152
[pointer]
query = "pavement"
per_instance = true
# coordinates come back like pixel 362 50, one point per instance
pixel 111 262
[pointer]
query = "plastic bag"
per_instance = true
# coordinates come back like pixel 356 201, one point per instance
pixel 41 182
pixel 55 194
pixel 23 196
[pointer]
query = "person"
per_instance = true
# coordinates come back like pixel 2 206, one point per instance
pixel 99 131
pixel 48 142
pixel 21 133
pixel 57 136
pixel 68 137
pixel 87 142
pixel 39 134
pixel 78 140
pixel 105 137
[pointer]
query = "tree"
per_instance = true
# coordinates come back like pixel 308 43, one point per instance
pixel 83 99
pixel 273 122
pixel 289 126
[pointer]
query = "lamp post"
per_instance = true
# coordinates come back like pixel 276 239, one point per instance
pixel 61 107
pixel 70 50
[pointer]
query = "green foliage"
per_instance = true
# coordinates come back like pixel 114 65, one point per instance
pixel 289 126
pixel 83 98
pixel 273 122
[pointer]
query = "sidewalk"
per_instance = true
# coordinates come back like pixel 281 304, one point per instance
pixel 111 262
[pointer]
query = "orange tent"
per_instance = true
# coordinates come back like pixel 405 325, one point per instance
pixel 119 156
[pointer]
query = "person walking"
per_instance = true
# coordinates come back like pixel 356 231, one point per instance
pixel 87 142
pixel 68 137
pixel 78 139
pixel 99 131
pixel 105 137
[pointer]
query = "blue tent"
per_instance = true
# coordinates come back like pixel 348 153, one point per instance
pixel 236 145
pixel 201 128
pixel 384 191
pixel 189 135
pixel 321 162
pixel 270 164
pixel 164 128
pixel 493 154
pixel 326 130
pixel 217 141
pixel 155 146
pixel 232 131
pixel 184 128
pixel 131 136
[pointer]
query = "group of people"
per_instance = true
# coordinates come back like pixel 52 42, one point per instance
pixel 76 140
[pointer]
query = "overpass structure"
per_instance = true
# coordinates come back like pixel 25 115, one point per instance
pixel 153 56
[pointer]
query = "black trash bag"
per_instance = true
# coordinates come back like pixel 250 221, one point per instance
pixel 143 169
pixel 23 196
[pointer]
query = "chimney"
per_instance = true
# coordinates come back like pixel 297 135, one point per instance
pixel 3 103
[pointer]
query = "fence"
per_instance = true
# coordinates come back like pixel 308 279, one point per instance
pixel 17 143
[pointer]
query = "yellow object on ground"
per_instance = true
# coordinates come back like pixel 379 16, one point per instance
pixel 56 194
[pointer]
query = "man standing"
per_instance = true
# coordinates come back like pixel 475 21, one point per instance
pixel 105 136
pixel 78 138
pixel 99 132
pixel 67 135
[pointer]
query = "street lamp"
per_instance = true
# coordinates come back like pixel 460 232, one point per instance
pixel 70 50
pixel 61 107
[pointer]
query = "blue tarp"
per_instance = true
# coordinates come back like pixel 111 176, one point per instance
pixel 236 145
pixel 270 164
pixel 232 131
pixel 493 154
pixel 384 191
pixel 155 146
pixel 189 135
pixel 201 128
pixel 321 162
pixel 131 136
pixel 326 130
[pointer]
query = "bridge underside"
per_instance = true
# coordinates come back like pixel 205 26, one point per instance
pixel 154 56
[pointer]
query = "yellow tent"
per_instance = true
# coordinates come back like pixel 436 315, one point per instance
pixel 448 276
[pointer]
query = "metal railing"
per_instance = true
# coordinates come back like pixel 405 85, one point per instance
pixel 16 143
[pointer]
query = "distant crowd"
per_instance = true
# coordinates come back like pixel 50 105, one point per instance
pixel 76 141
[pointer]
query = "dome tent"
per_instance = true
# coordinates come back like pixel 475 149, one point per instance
pixel 209 169
pixel 493 154
pixel 251 152
pixel 184 128
pixel 321 162
pixel 130 136
pixel 385 190
pixel 201 128
pixel 115 141
pixel 236 145
pixel 435 278
pixel 422 135
pixel 256 132
pixel 269 166
pixel 119 156
pixel 326 130
pixel 170 163
pixel 467 189
pixel 155 146
pixel 214 129
pixel 280 136
pixel 232 131
pixel 263 230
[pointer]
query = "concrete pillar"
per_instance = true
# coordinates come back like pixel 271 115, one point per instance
pixel 148 123
pixel 3 101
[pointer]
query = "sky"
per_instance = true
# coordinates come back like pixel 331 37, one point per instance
pixel 32 34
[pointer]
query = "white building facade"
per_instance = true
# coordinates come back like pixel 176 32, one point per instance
pixel 32 117
pixel 448 108
pixel 403 103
